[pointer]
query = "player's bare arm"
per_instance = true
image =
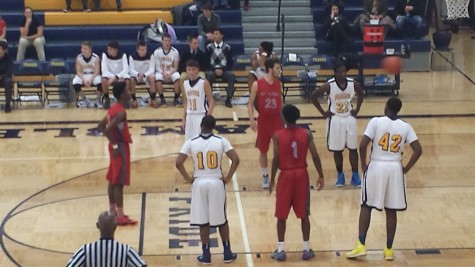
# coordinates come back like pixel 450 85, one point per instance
pixel 233 156
pixel 359 99
pixel 102 124
pixel 180 161
pixel 416 154
pixel 209 97
pixel 316 95
pixel 363 149
pixel 316 161
pixel 250 106
pixel 254 63
pixel 275 163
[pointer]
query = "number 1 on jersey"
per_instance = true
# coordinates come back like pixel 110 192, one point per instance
pixel 293 145
pixel 192 104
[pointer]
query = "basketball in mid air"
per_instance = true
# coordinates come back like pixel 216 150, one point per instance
pixel 392 64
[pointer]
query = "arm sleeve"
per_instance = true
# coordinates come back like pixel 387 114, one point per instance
pixel 371 128
pixel 133 72
pixel 226 145
pixel 125 66
pixel 105 66
pixel 78 259
pixel 411 135
pixel 186 149
pixel 134 260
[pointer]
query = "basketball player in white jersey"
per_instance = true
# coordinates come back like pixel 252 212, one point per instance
pixel 167 59
pixel 258 60
pixel 115 69
pixel 198 100
pixel 384 182
pixel 342 131
pixel 208 193
pixel 142 72
pixel 88 69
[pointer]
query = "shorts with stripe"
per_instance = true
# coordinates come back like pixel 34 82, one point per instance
pixel 193 125
pixel 342 132
pixel 208 202
pixel 384 186
pixel 119 167
pixel 292 192
pixel 174 77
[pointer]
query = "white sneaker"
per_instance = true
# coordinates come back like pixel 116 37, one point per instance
pixel 89 103
pixel 265 182
pixel 99 103
pixel 81 104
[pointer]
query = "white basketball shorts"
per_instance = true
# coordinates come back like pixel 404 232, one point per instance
pixel 342 132
pixel 193 125
pixel 384 186
pixel 95 80
pixel 174 77
pixel 208 202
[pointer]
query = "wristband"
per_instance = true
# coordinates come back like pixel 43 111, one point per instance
pixel 115 146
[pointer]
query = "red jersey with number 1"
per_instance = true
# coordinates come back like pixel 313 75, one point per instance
pixel 269 98
pixel 293 147
pixel 121 134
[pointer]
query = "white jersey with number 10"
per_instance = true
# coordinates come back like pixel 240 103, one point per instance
pixel 207 152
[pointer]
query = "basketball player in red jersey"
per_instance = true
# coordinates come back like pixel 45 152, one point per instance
pixel 290 156
pixel 115 128
pixel 267 92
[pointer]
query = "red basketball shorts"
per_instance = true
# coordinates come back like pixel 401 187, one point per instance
pixel 293 192
pixel 119 167
pixel 266 127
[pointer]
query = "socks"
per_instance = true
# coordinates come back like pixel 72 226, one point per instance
pixel 264 172
pixel 362 239
pixel 306 245
pixel 161 96
pixel 106 96
pixel 205 248
pixel 339 169
pixel 177 95
pixel 226 245
pixel 280 246
pixel 134 97
pixel 389 243
pixel 153 96
pixel 355 171
pixel 120 212
pixel 112 208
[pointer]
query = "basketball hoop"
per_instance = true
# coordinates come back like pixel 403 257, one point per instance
pixel 457 9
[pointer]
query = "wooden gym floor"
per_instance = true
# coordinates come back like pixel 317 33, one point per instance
pixel 52 184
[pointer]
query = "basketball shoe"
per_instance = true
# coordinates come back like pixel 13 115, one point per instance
pixel 124 220
pixel 388 254
pixel 229 256
pixel 359 250
pixel 265 181
pixel 340 180
pixel 205 258
pixel 308 254
pixel 355 180
pixel 279 255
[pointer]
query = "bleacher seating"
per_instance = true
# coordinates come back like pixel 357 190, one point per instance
pixel 421 48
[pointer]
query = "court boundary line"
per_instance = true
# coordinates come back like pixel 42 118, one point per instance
pixel 142 223
pixel 242 222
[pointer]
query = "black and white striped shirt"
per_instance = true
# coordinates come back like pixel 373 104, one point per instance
pixel 106 253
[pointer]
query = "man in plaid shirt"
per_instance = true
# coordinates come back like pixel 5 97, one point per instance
pixel 221 62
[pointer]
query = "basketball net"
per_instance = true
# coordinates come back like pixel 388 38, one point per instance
pixel 457 9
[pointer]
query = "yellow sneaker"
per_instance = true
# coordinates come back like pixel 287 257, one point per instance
pixel 359 250
pixel 388 254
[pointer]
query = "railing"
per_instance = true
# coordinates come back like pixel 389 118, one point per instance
pixel 282 22
pixel 278 15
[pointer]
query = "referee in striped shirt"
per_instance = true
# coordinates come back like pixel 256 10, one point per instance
pixel 106 252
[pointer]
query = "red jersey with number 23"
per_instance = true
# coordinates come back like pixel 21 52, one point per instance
pixel 269 98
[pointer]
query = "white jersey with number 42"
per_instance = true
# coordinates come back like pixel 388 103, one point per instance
pixel 389 137
pixel 207 152
pixel 339 99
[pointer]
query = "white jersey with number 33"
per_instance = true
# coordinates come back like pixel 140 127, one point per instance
pixel 389 137
pixel 339 99
pixel 207 152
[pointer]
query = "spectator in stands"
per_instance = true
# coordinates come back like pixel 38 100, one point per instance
pixel 166 62
pixel 258 60
pixel 142 71
pixel 6 73
pixel 115 68
pixel 207 23
pixel 409 18
pixel 221 62
pixel 221 3
pixel 3 30
pixel 193 52
pixel 375 10
pixel 68 6
pixel 337 28
pixel 88 73
pixel 31 33
pixel 106 251
pixel 246 5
